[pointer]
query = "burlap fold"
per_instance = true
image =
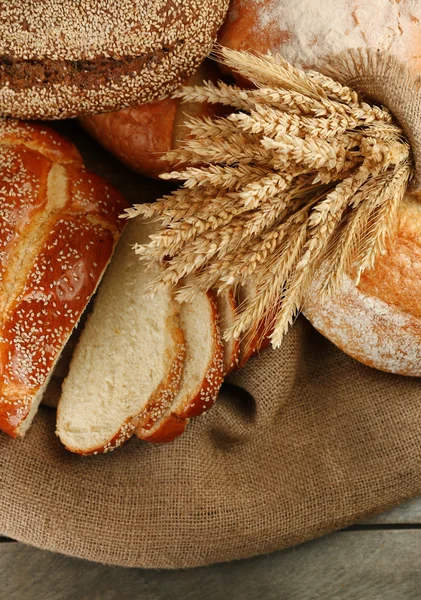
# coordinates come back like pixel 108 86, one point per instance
pixel 382 78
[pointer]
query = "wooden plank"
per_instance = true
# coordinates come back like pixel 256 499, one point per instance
pixel 408 513
pixel 350 565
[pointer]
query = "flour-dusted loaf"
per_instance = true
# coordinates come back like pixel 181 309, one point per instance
pixel 141 134
pixel 61 59
pixel 378 322
pixel 227 308
pixel 128 363
pixel 308 32
pixel 203 370
pixel 59 226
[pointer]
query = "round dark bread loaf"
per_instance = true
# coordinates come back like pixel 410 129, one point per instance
pixel 60 60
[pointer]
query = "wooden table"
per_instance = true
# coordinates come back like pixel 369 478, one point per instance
pixel 379 559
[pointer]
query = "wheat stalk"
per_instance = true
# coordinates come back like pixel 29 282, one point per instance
pixel 301 176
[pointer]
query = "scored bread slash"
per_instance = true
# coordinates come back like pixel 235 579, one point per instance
pixel 203 370
pixel 128 363
pixel 227 307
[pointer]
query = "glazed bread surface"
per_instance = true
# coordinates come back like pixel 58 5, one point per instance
pixel 59 225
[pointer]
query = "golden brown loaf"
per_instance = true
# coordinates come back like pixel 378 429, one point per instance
pixel 379 321
pixel 59 225
pixel 141 134
pixel 62 59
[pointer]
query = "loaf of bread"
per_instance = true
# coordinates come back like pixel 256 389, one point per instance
pixel 308 32
pixel 59 225
pixel 141 134
pixel 378 322
pixel 62 59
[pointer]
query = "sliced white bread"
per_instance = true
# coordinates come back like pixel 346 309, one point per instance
pixel 203 370
pixel 256 339
pixel 227 307
pixel 128 363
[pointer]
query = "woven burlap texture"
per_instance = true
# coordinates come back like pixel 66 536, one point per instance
pixel 301 442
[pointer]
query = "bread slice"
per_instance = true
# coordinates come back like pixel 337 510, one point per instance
pixel 227 307
pixel 127 366
pixel 203 370
pixel 257 338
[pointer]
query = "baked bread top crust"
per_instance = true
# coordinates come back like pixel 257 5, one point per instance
pixel 62 59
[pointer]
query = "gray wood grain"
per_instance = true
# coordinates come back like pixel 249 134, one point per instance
pixel 351 565
pixel 408 513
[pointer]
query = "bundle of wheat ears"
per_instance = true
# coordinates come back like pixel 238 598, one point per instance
pixel 302 175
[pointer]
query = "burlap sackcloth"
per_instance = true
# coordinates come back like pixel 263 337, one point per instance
pixel 301 442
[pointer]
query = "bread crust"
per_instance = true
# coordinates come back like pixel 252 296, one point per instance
pixel 378 322
pixel 42 139
pixel 140 135
pixel 137 135
pixel 171 428
pixel 59 60
pixel 165 393
pixel 56 242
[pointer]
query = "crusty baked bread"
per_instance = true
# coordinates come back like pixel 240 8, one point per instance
pixel 141 134
pixel 203 370
pixel 62 59
pixel 379 321
pixel 127 366
pixel 307 32
pixel 227 307
pixel 59 225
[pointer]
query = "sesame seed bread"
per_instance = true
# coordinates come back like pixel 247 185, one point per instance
pixel 203 370
pixel 141 134
pixel 227 307
pixel 378 322
pixel 127 366
pixel 59 226
pixel 62 59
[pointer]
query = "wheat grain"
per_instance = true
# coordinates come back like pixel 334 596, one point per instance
pixel 304 177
